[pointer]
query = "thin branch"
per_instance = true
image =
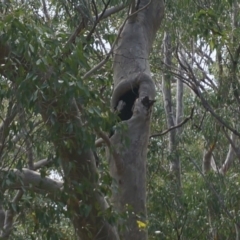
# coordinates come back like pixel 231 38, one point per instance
pixel 174 127
pixel 203 54
pixel 95 11
pixel 105 138
pixel 98 66
pixel 101 42
pixel 199 127
pixel 118 160
pixel 82 25
pixel 8 216
pixel 97 20
pixel 212 188
pixel 42 163
pixel 45 11
pixel 101 16
pixel 232 148
pixel 21 134
pixel 217 117
pixel 29 147
pixel 205 103
pixel 77 31
pixel 209 82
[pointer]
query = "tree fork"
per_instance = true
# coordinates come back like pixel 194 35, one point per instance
pixel 131 72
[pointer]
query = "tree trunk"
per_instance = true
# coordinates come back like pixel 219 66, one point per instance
pixel 134 86
pixel 175 167
pixel 85 201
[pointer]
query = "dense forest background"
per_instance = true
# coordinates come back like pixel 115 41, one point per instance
pixel 192 182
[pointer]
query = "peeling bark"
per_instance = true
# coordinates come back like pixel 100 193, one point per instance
pixel 134 86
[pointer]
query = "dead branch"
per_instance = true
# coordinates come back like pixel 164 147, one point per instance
pixel 174 127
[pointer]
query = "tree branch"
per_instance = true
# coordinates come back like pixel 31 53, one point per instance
pixel 99 65
pixel 9 215
pixel 21 134
pixel 45 10
pixel 28 178
pixel 176 126
pixel 4 127
pixel 29 148
pixel 118 160
pixel 195 88
pixel 42 163
pixel 212 188
pixel 101 16
pixel 232 148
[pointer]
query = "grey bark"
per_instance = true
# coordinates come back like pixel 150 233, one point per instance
pixel 235 25
pixel 92 226
pixel 237 229
pixel 2 217
pixel 79 167
pixel 179 101
pixel 230 156
pixel 131 60
pixel 28 178
pixel 131 70
pixel 175 167
pixel 9 218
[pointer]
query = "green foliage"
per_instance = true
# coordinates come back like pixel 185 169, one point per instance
pixel 56 78
pixel 204 31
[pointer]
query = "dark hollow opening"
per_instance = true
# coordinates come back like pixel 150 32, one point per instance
pixel 129 99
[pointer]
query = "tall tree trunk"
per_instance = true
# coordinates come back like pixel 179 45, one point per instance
pixel 169 111
pixel 134 87
pixel 81 181
pixel 235 83
pixel 179 99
